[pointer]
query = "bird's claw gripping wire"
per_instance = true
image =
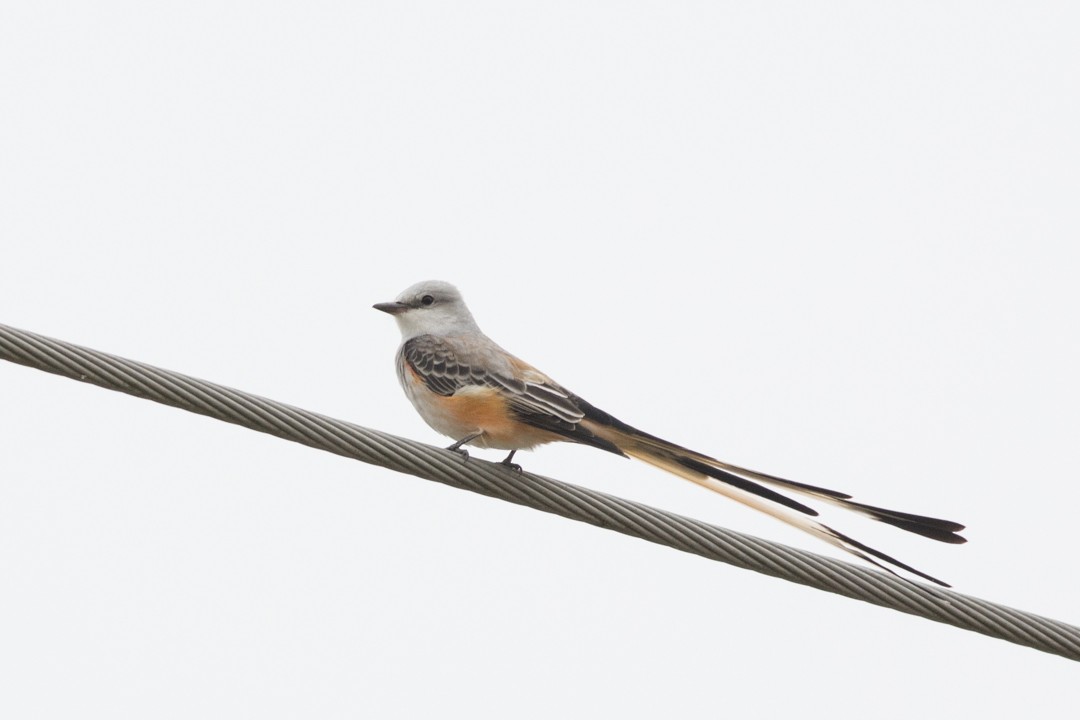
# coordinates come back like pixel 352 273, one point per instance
pixel 457 447
pixel 512 465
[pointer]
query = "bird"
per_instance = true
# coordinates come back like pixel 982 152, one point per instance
pixel 468 388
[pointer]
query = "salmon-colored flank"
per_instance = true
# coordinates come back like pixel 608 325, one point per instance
pixel 478 408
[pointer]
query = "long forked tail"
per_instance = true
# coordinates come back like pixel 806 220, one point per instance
pixel 755 490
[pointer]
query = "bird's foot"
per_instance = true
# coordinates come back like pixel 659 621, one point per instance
pixel 457 447
pixel 512 465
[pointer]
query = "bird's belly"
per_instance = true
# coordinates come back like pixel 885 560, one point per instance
pixel 477 408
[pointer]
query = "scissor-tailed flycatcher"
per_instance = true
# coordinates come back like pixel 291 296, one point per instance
pixel 470 389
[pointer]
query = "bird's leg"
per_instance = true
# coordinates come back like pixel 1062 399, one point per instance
pixel 456 447
pixel 512 465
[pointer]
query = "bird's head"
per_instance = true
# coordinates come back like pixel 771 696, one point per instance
pixel 432 307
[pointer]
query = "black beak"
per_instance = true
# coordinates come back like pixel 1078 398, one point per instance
pixel 394 308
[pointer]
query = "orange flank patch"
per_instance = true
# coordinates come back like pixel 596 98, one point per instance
pixel 475 408
pixel 486 409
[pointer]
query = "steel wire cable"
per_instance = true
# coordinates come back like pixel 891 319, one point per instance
pixel 538 492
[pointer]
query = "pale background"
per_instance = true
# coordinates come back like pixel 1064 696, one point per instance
pixel 827 240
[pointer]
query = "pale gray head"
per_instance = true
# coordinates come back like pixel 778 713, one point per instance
pixel 432 307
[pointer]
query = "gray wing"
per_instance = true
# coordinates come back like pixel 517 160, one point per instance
pixel 446 368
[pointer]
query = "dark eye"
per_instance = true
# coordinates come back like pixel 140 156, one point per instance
pixel 427 300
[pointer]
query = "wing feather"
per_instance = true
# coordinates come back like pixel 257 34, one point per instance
pixel 534 399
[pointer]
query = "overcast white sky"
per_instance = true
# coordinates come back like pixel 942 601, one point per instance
pixel 832 241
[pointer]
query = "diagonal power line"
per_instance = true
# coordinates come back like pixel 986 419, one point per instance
pixel 569 501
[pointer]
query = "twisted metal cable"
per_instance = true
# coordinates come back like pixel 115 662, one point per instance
pixel 540 493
